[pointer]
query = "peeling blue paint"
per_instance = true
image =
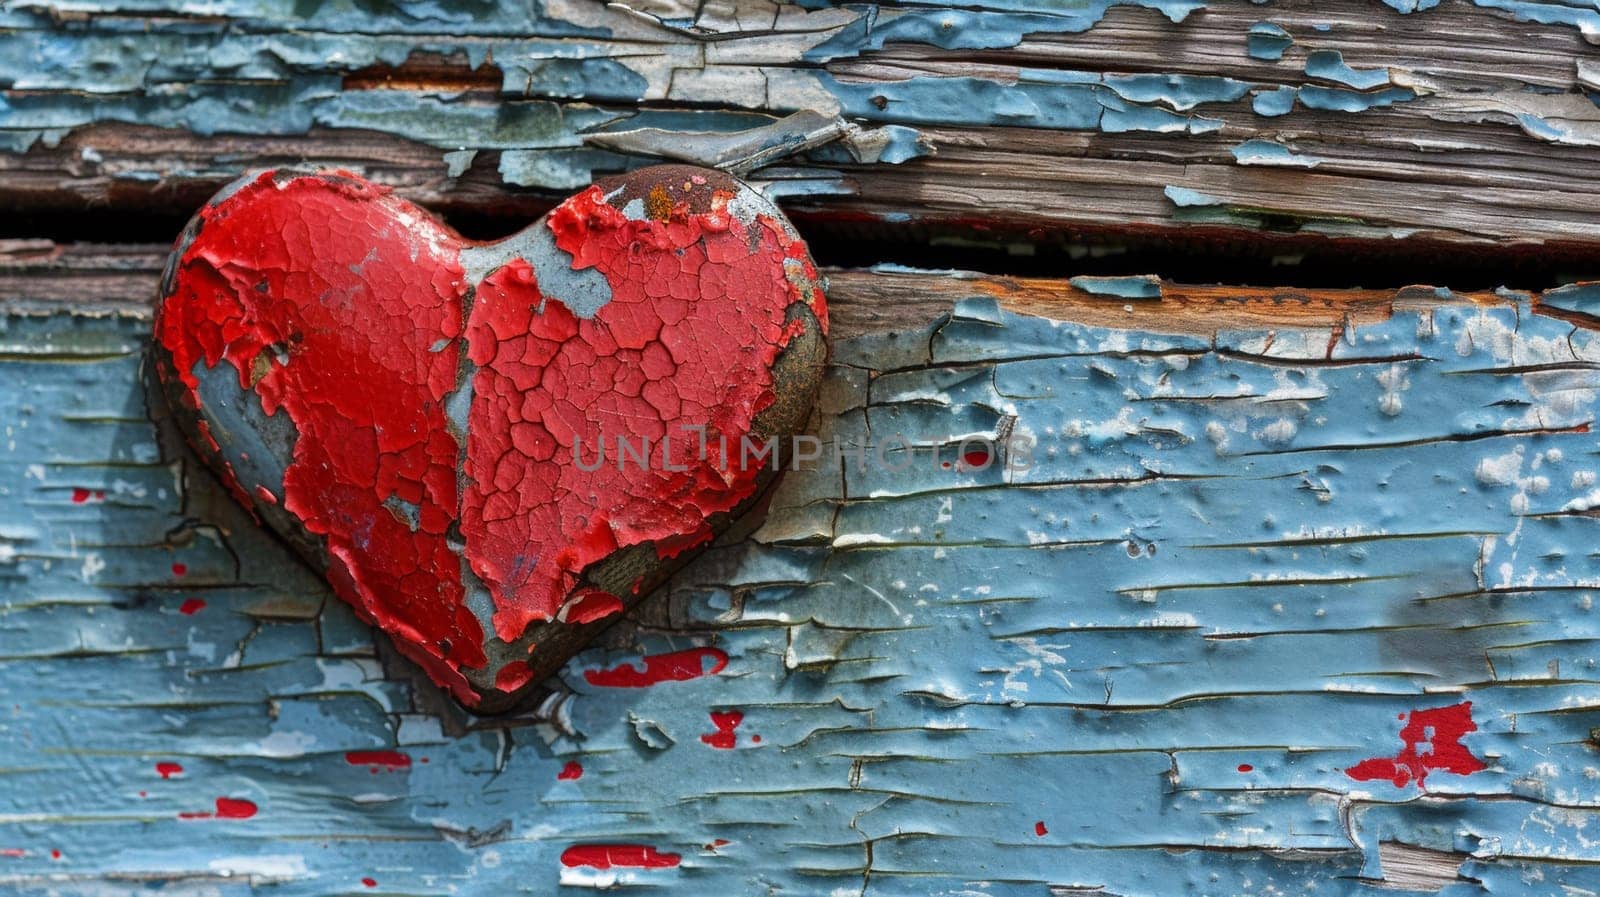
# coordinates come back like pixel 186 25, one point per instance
pixel 1275 102
pixel 1267 41
pixel 1145 286
pixel 1329 65
pixel 1265 152
pixel 1142 664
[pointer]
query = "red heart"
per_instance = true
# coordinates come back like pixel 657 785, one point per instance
pixel 403 404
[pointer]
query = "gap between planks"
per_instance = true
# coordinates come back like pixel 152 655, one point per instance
pixel 38 276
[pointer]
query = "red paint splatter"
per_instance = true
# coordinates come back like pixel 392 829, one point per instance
pixel 678 666
pixel 617 856
pixel 192 606
pixel 342 306
pixel 168 769
pixel 1039 829
pixel 378 759
pixel 589 605
pixel 369 882
pixel 80 495
pixel 180 569
pixel 265 495
pixel 1245 767
pixel 573 770
pixel 976 458
pixel 726 722
pixel 227 808
pixel 1432 741
pixel 55 854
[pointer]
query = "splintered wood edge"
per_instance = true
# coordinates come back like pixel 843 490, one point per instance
pixel 41 277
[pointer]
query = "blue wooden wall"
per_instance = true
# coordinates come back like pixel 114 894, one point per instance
pixel 1287 603
pixel 1151 663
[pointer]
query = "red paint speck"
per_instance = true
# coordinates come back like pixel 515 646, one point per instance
pixel 1431 741
pixel 192 606
pixel 227 808
pixel 1245 767
pixel 573 770
pixel 167 769
pixel 1039 829
pixel 976 458
pixel 369 882
pixel 617 856
pixel 80 496
pixel 265 496
pixel 235 808
pixel 180 569
pixel 679 666
pixel 55 854
pixel 13 852
pixel 724 738
pixel 378 759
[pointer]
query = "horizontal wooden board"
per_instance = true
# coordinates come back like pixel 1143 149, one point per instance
pixel 1293 597
pixel 1457 124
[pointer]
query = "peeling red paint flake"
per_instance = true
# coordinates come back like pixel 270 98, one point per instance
pixel 192 606
pixel 589 605
pixel 1245 767
pixel 167 769
pixel 513 676
pixel 378 759
pixel 678 666
pixel 618 856
pixel 1039 829
pixel 82 496
pixel 725 722
pixel 350 316
pixel 572 771
pixel 976 458
pixel 180 569
pixel 369 882
pixel 1432 742
pixel 226 808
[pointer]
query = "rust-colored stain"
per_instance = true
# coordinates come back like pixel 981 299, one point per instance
pixel 439 417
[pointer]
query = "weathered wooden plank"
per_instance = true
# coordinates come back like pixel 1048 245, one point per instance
pixel 1454 124
pixel 1167 655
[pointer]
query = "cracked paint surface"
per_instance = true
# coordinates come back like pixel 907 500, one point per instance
pixel 1242 564
pixel 537 95
pixel 353 316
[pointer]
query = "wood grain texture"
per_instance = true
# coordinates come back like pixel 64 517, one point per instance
pixel 1457 124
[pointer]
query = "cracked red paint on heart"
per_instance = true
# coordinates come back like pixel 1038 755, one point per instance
pixel 434 390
